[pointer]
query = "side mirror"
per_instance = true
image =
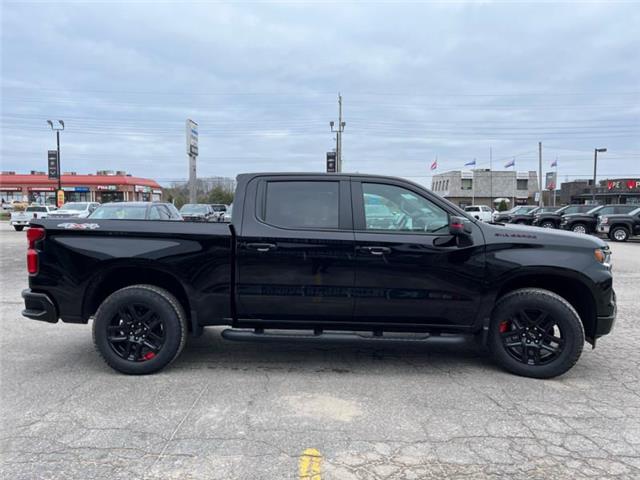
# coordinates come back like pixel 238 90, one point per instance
pixel 459 226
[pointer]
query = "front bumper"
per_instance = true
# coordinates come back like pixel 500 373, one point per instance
pixel 38 306
pixel 605 323
pixel 19 223
pixel 603 228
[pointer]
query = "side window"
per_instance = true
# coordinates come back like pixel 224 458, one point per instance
pixel 154 213
pixel 302 204
pixel 388 207
pixel 164 212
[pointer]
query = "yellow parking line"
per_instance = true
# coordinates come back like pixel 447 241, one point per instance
pixel 310 465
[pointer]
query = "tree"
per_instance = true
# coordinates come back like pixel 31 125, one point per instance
pixel 502 206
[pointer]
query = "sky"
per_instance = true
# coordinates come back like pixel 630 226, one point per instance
pixel 419 80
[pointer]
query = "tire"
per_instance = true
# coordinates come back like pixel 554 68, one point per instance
pixel 548 224
pixel 579 228
pixel 18 228
pixel 125 315
pixel 566 330
pixel 619 234
pixel 521 222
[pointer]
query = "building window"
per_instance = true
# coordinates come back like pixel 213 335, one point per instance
pixel 467 184
pixel 522 184
pixel 446 185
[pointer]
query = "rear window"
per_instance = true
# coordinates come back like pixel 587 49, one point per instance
pixel 36 209
pixel 120 212
pixel 472 209
pixel 302 204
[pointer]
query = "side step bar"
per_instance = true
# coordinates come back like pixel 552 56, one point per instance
pixel 340 337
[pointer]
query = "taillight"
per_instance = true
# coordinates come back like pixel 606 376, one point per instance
pixel 34 234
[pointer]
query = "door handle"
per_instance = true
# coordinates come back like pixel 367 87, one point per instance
pixel 375 250
pixel 261 247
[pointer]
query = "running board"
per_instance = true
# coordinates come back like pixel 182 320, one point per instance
pixel 335 337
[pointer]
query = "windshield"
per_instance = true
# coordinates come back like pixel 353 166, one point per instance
pixel 193 208
pixel 120 212
pixel 74 206
pixel 219 208
pixel 635 212
pixel 594 210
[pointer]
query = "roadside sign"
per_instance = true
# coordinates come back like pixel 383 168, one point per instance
pixel 331 162
pixel 60 198
pixel 550 180
pixel 52 161
pixel 192 137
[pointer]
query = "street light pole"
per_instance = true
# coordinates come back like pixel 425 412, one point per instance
pixel 595 169
pixel 338 133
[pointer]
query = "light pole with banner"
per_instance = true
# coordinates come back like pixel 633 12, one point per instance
pixel 192 151
pixel 595 168
pixel 53 161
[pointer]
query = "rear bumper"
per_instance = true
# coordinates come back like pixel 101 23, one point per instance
pixel 38 306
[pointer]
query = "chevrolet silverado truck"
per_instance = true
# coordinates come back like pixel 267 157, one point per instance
pixel 621 226
pixel 319 257
pixel 553 219
pixel 588 221
pixel 526 218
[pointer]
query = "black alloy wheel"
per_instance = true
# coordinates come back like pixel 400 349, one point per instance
pixel 140 329
pixel 136 332
pixel 548 225
pixel 532 336
pixel 535 333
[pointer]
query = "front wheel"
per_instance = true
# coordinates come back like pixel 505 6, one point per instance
pixel 548 225
pixel 139 329
pixel 535 333
pixel 619 234
pixel 579 228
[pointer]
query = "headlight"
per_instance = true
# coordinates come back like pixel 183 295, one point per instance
pixel 603 255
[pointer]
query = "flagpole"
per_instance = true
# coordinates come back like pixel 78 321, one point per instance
pixel 473 183
pixel 491 206
pixel 555 186
pixel 515 184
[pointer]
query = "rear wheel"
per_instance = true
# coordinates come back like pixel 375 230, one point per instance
pixel 579 228
pixel 18 227
pixel 619 234
pixel 139 329
pixel 548 225
pixel 535 333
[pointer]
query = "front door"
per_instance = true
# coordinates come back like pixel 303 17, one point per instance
pixel 295 257
pixel 409 269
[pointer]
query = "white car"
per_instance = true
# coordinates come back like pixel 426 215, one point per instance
pixel 481 212
pixel 75 210
pixel 19 220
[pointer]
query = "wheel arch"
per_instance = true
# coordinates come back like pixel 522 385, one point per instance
pixel 569 285
pixel 120 275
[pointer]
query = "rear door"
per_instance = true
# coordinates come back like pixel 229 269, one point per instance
pixel 410 270
pixel 295 250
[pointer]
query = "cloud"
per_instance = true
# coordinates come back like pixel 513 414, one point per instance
pixel 261 79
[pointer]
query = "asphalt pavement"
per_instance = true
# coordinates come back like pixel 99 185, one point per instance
pixel 228 410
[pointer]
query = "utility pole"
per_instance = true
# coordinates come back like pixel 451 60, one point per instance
pixel 59 195
pixel 338 131
pixel 540 202
pixel 491 205
pixel 192 152
pixel 595 168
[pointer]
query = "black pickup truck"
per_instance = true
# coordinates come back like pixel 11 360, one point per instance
pixel 336 256
pixel 587 222
pixel 621 226
pixel 553 219
pixel 526 218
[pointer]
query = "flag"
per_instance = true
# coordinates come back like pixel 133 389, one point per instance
pixel 510 163
pixel 434 165
pixel 471 163
pixel 554 163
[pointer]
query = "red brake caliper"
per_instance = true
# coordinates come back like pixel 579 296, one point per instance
pixel 148 355
pixel 503 327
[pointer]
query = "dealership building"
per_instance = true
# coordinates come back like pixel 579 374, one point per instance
pixel 104 186
pixel 612 190
pixel 483 186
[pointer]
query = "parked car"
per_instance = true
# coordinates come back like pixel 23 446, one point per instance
pixel 21 219
pixel 587 222
pixel 75 210
pixel 552 219
pixel 504 217
pixel 481 212
pixel 526 217
pixel 226 216
pixel 301 255
pixel 621 226
pixel 136 211
pixel 219 211
pixel 197 212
